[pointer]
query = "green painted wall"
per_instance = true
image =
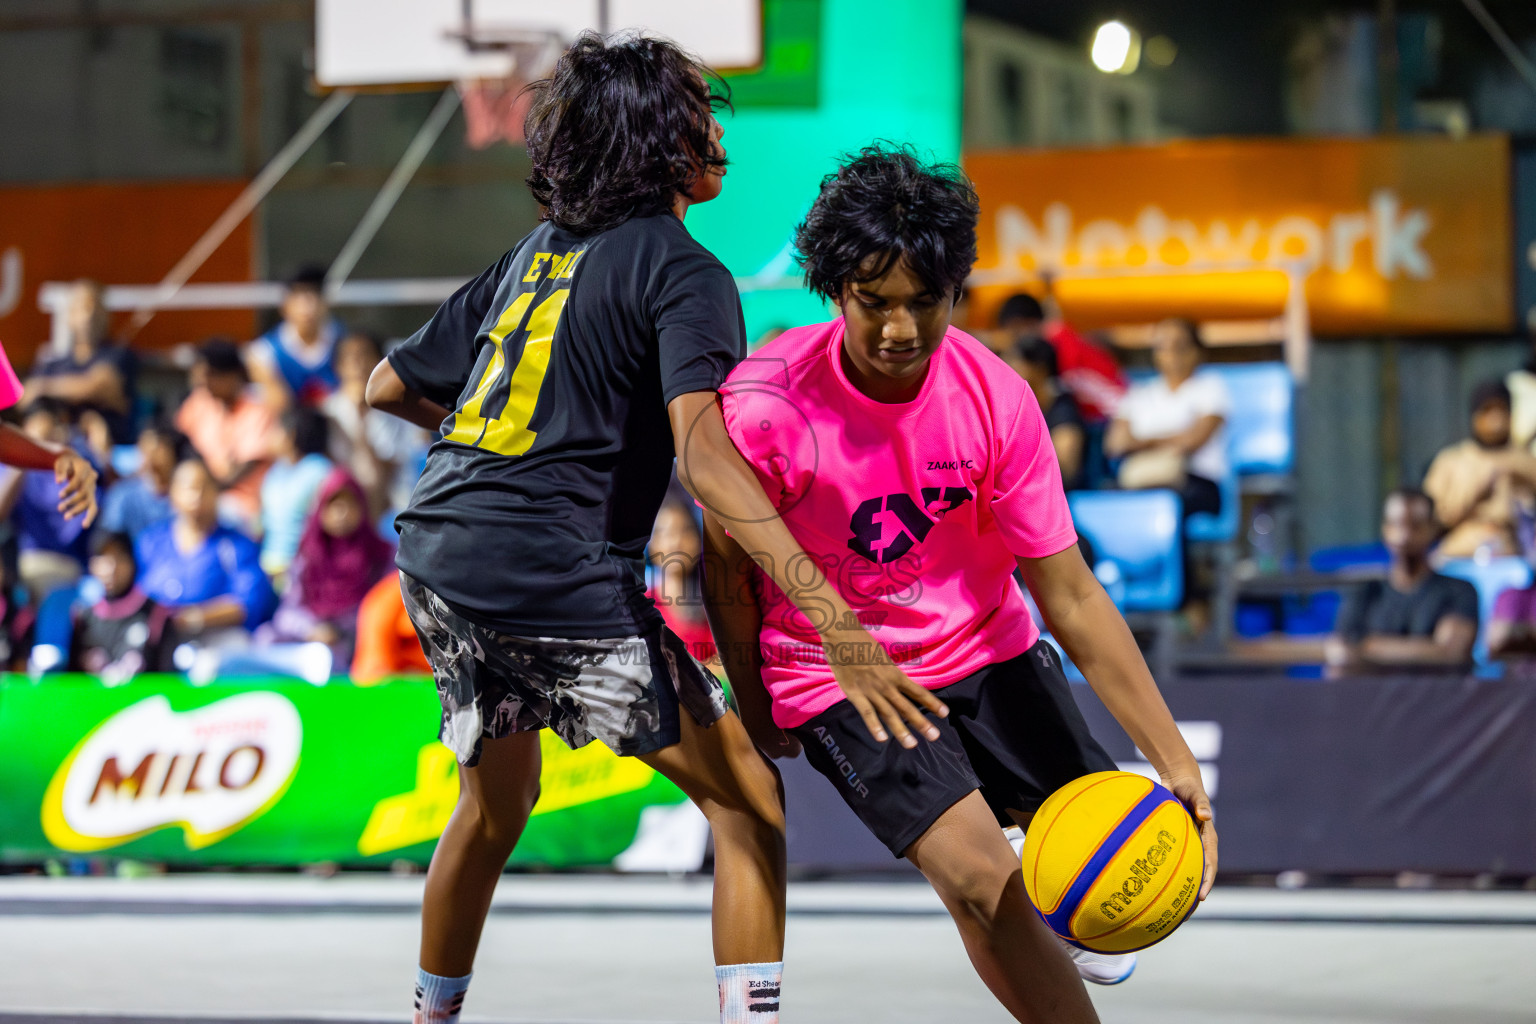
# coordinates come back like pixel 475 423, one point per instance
pixel 889 69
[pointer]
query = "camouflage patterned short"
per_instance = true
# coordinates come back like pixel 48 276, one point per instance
pixel 624 691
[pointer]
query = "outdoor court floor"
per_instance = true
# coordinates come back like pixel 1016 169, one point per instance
pixel 560 950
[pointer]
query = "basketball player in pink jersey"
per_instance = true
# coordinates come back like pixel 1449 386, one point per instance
pixel 77 496
pixel 915 466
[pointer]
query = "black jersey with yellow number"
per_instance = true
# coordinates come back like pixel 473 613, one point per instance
pixel 534 510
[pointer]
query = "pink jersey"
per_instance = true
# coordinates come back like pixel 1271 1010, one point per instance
pixel 915 511
pixel 10 386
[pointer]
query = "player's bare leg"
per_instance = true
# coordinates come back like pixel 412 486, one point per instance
pixel 973 869
pixel 740 794
pixel 495 798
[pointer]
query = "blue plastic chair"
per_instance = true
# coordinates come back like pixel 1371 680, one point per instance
pixel 1350 556
pixel 1139 531
pixel 55 618
pixel 1261 434
pixel 1220 527
pixel 310 662
pixel 1491 578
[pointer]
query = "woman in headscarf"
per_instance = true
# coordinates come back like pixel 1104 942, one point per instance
pixel 340 557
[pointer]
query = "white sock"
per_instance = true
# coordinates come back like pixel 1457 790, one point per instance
pixel 439 1000
pixel 1015 837
pixel 749 993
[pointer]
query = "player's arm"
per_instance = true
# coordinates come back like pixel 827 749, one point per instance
pixel 99 384
pixel 1451 644
pixel 1454 502
pixel 714 472
pixel 1067 441
pixel 1507 638
pixel 1119 441
pixel 737 624
pixel 269 382
pixel 77 495
pixel 1089 628
pixel 388 393
pixel 438 359
pixel 1193 439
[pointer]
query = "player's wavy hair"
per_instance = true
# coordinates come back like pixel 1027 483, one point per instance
pixel 881 205
pixel 620 129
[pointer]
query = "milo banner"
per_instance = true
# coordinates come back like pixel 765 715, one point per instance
pixel 280 772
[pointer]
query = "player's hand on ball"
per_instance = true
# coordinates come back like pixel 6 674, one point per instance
pixel 1191 791
pixel 884 697
pixel 77 496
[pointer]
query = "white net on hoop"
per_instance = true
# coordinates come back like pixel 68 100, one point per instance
pixel 495 107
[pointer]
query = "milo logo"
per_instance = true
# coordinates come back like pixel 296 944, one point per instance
pixel 210 771
pixel 1141 873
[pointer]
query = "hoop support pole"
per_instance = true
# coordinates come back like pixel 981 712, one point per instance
pixel 241 208
pixel 394 187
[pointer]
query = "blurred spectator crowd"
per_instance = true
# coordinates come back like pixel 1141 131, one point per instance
pixel 246 518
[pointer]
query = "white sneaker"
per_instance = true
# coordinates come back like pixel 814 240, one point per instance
pixel 1098 968
pixel 1102 968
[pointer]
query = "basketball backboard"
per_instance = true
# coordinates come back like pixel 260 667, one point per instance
pixel 385 43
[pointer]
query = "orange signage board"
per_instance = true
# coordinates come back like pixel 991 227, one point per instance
pixel 117 234
pixel 1390 235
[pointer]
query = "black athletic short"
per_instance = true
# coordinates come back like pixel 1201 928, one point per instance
pixel 1014 732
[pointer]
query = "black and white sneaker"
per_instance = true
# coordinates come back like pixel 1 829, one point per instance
pixel 1098 968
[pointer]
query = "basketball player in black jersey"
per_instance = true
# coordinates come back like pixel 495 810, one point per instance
pixel 564 380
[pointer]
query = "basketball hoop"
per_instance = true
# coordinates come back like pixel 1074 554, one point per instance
pixel 495 106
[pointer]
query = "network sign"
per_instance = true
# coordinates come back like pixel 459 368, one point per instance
pixel 1408 235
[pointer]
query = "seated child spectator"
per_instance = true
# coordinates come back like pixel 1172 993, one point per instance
pixel 229 427
pixel 288 490
pixel 387 644
pixel 52 548
pixel 381 450
pixel 1415 618
pixel 144 499
pixel 672 577
pixel 1480 484
pixel 1035 361
pixel 207 573
pixel 1170 431
pixel 127 631
pixel 340 558
pixel 92 377
pixel 294 362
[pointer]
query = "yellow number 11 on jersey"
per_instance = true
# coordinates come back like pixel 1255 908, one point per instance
pixel 508 433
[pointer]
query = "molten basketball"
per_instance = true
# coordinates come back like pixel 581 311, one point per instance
pixel 1113 862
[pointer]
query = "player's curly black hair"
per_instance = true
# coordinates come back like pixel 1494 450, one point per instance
pixel 885 203
pixel 619 130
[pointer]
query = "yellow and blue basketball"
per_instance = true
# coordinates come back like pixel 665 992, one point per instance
pixel 1113 862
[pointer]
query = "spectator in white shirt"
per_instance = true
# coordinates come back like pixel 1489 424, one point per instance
pixel 1171 430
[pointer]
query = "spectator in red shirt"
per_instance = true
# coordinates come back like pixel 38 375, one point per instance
pixel 1087 371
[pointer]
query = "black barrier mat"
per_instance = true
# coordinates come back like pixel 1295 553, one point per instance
pixel 1374 776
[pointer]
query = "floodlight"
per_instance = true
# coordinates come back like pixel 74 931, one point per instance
pixel 1116 48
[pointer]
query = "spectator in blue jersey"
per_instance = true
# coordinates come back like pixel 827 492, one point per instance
pixel 52 548
pixel 134 504
pixel 289 488
pixel 209 574
pixel 295 362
